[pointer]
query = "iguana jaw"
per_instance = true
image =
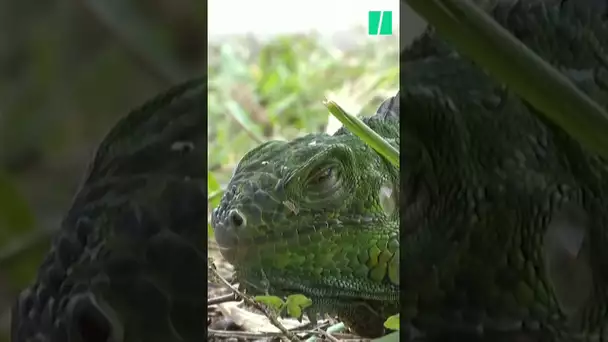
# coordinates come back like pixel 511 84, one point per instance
pixel 340 262
pixel 257 281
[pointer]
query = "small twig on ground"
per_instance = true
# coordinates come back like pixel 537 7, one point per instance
pixel 242 334
pixel 334 333
pixel 246 334
pixel 348 337
pixel 328 335
pixel 290 335
pixel 222 299
pixel 319 332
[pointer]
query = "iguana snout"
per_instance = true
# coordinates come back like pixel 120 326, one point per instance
pixel 248 212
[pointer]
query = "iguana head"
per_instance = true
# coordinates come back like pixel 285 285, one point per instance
pixel 316 215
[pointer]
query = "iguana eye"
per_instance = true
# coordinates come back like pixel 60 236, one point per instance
pixel 322 176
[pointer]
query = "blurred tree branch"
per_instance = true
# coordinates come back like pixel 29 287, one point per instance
pixel 133 33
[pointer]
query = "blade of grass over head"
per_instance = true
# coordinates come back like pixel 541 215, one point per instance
pixel 476 34
pixel 361 130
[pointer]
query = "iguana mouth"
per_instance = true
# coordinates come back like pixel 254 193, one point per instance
pixel 242 249
pixel 228 233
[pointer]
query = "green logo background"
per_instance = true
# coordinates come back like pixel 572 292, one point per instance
pixel 380 23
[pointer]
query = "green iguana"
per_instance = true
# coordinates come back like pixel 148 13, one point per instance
pixel 129 261
pixel 503 216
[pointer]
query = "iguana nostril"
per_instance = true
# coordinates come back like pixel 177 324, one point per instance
pixel 236 219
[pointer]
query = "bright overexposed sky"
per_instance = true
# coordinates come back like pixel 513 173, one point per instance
pixel 271 17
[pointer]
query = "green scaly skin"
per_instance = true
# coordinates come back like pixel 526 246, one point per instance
pixel 314 221
pixel 128 263
pixel 503 214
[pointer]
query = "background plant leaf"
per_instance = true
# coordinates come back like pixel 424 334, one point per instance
pixel 296 304
pixel 273 302
pixel 392 322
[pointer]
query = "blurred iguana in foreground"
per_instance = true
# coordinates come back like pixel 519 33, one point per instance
pixel 504 216
pixel 129 262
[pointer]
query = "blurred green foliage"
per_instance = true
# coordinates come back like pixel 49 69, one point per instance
pixel 275 90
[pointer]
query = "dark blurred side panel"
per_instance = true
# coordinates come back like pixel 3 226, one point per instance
pixel 68 70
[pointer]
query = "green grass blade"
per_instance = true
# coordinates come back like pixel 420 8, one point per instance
pixel 476 34
pixel 360 129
